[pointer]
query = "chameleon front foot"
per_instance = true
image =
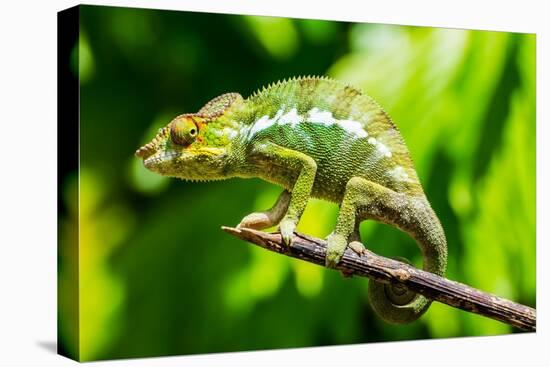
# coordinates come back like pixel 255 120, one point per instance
pixel 257 220
pixel 267 218
pixel 287 227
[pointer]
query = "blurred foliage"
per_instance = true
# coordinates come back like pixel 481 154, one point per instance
pixel 159 277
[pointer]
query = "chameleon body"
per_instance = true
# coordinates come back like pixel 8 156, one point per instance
pixel 315 137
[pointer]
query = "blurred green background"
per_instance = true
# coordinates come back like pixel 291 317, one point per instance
pixel 159 277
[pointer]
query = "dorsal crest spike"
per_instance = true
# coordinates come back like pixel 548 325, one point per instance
pixel 274 86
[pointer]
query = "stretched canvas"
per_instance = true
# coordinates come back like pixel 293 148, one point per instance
pixel 144 266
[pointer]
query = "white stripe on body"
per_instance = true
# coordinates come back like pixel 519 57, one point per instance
pixel 380 147
pixel 314 116
pixel 399 174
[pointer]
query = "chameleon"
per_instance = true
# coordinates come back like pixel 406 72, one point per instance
pixel 315 137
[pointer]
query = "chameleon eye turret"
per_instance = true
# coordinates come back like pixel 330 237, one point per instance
pixel 183 131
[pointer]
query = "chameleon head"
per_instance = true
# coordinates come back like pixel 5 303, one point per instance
pixel 194 146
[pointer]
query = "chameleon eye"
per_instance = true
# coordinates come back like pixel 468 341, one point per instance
pixel 183 131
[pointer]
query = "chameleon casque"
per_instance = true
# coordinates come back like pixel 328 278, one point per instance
pixel 315 137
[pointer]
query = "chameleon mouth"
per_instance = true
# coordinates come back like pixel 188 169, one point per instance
pixel 154 160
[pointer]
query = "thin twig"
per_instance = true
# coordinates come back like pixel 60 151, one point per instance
pixel 386 270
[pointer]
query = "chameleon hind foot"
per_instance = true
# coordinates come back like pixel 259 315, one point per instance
pixel 336 246
pixel 358 248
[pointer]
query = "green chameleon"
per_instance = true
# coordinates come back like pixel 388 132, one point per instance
pixel 315 137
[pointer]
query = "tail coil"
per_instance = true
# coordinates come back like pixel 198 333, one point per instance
pixel 394 303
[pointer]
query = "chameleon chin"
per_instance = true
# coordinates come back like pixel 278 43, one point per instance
pixel 314 137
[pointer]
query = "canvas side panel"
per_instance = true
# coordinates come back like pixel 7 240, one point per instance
pixel 67 183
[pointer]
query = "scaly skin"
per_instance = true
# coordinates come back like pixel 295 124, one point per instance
pixel 315 137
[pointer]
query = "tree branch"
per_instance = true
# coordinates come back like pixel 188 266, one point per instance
pixel 387 270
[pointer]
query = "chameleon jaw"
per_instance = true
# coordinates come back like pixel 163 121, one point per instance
pixel 154 160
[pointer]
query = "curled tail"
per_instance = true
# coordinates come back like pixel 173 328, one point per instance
pixel 394 303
